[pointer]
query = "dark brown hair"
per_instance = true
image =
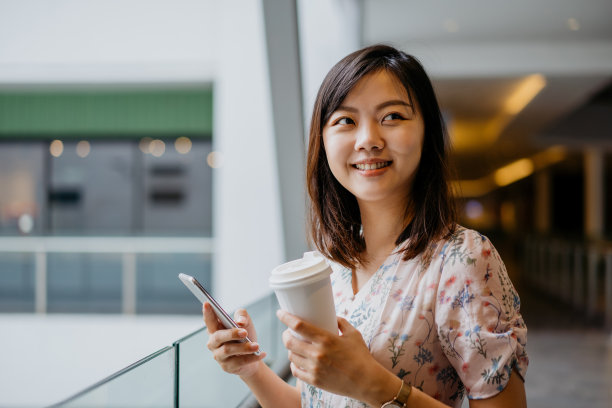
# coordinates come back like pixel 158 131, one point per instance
pixel 335 220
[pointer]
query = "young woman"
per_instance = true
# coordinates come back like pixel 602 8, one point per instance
pixel 426 312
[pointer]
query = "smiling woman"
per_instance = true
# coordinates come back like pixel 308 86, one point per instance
pixel 426 311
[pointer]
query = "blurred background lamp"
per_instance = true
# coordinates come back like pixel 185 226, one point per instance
pixel 145 145
pixel 56 148
pixel 157 148
pixel 83 148
pixel 513 172
pixel 182 145
pixel 25 223
pixel 451 26
pixel 214 159
pixel 473 209
pixel 573 24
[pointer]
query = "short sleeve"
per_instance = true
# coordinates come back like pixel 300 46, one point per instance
pixel 478 318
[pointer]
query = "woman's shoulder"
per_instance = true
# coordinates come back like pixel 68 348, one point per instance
pixel 467 247
pixel 467 238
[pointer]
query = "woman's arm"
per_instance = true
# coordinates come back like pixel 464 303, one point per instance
pixel 513 396
pixel 237 358
pixel 270 390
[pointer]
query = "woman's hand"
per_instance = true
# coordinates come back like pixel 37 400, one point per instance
pixel 232 355
pixel 341 364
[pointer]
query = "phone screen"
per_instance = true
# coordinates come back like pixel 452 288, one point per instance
pixel 203 296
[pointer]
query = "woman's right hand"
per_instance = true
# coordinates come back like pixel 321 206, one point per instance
pixel 233 356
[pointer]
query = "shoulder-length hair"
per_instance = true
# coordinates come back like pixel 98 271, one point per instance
pixel 334 217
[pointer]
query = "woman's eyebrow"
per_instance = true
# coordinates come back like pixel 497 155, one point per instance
pixel 346 108
pixel 393 102
pixel 378 107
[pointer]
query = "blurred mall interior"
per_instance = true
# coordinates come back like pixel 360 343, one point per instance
pixel 144 138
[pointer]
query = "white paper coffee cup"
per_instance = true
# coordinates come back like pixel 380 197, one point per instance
pixel 303 288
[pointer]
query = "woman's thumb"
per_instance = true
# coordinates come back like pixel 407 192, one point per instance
pixel 242 317
pixel 344 326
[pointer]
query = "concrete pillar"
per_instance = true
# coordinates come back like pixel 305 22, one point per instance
pixel 283 51
pixel 542 201
pixel 593 193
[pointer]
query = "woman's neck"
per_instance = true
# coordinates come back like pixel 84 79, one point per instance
pixel 382 224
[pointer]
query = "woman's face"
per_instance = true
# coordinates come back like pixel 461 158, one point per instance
pixel 374 140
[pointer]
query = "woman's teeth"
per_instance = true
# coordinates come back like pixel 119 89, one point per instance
pixel 372 166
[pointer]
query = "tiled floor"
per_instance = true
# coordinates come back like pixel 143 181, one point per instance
pixel 570 359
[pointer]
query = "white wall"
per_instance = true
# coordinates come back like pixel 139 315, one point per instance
pixel 107 41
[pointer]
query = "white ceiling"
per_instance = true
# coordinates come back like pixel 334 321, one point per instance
pixel 478 51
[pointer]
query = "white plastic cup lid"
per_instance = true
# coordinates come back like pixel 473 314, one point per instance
pixel 311 267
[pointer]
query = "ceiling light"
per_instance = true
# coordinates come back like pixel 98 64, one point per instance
pixel 214 159
pixel 145 145
pixel 513 172
pixel 524 93
pixel 83 148
pixel 451 26
pixel 573 24
pixel 182 145
pixel 56 148
pixel 157 148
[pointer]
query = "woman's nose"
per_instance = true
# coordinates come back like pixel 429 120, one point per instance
pixel 368 137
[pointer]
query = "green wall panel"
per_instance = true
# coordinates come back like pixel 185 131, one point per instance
pixel 100 113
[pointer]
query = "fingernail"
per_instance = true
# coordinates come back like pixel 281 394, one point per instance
pixel 241 319
pixel 242 333
pixel 279 313
pixel 254 346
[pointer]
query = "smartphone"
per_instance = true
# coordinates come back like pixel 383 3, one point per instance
pixel 203 296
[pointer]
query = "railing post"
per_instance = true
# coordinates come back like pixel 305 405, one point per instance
pixel 592 283
pixel 542 273
pixel 608 280
pixel 40 282
pixel 566 292
pixel 128 263
pixel 578 278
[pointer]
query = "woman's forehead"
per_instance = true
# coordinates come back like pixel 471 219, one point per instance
pixel 381 83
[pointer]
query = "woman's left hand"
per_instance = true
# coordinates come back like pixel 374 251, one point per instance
pixel 341 364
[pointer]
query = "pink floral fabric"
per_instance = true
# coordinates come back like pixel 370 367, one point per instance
pixel 447 322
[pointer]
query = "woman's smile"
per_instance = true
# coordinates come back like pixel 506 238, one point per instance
pixel 372 168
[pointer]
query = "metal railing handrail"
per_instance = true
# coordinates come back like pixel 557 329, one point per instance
pixel 107 244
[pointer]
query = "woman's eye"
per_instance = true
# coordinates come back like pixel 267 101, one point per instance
pixel 393 116
pixel 345 121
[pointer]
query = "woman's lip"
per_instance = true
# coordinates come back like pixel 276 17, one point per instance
pixel 372 173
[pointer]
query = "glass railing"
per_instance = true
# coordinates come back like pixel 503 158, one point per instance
pixel 101 274
pixel 185 374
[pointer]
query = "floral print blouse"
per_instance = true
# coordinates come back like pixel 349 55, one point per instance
pixel 447 321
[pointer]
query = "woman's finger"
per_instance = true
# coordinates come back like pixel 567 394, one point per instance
pixel 229 350
pixel 236 364
pixel 210 319
pixel 301 374
pixel 300 361
pixel 242 318
pixel 295 344
pixel 218 338
pixel 307 330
